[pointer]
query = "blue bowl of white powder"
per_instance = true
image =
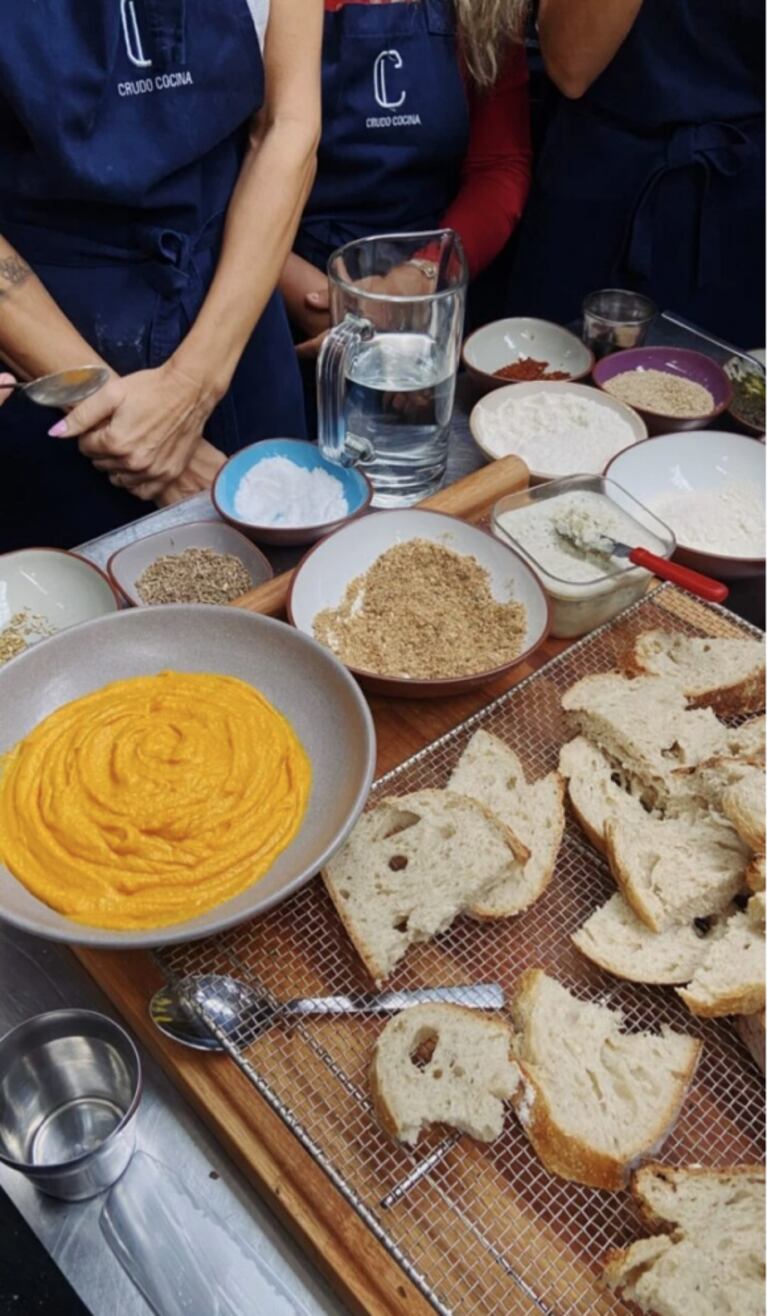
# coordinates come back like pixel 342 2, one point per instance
pixel 283 491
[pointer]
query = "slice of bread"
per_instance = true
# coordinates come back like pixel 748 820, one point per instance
pixel 490 772
pixel 723 674
pixel 750 1028
pixel 674 870
pixel 730 979
pixel 621 944
pixel 755 873
pixel 711 1260
pixel 410 866
pixel 593 1100
pixel 645 726
pixel 748 740
pixel 442 1064
pixel 595 790
pixel 743 804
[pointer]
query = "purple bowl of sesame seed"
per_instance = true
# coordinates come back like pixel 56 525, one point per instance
pixel 695 391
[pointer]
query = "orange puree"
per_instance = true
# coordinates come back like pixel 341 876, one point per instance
pixel 152 799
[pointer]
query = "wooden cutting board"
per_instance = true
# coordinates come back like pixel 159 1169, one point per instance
pixel 368 1279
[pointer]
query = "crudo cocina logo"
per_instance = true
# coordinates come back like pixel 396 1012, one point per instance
pixel 132 34
pixel 386 60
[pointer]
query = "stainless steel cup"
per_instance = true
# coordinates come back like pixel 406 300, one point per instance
pixel 616 318
pixel 70 1086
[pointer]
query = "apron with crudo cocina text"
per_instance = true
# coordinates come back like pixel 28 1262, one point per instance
pixel 395 123
pixel 123 125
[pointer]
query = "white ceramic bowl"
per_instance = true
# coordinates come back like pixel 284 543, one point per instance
pixel 505 341
pixel 127 564
pixel 538 472
pixel 325 572
pixel 698 460
pixel 62 588
pixel 304 681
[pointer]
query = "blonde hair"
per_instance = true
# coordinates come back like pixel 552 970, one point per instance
pixel 486 26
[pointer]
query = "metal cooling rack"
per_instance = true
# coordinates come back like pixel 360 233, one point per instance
pixel 480 1230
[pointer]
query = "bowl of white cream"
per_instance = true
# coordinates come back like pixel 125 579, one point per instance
pixel 709 487
pixel 283 491
pixel 586 587
pixel 558 429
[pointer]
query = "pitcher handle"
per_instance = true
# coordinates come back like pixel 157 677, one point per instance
pixel 338 350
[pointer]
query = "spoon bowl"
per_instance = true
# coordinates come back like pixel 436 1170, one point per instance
pixel 64 388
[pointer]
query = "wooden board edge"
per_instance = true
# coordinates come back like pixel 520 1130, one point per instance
pixel 263 1147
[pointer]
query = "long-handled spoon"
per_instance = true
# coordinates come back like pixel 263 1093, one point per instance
pixel 232 1005
pixel 63 389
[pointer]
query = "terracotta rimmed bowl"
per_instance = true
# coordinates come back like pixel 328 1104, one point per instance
pixel 503 342
pixel 556 389
pixel 706 459
pixel 321 581
pixel 358 490
pixel 682 362
pixel 301 678
pixel 128 564
pixel 61 587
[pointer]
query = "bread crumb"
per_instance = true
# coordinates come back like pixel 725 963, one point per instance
pixel 425 612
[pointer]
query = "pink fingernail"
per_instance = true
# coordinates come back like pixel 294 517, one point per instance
pixel 58 430
pixel 314 297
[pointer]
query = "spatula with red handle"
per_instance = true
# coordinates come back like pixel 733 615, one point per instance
pixel 703 587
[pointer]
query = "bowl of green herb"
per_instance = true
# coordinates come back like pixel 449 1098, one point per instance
pixel 748 395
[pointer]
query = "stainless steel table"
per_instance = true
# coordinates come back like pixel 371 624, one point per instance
pixel 37 975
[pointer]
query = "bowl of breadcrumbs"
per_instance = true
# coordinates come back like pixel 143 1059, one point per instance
pixel 419 604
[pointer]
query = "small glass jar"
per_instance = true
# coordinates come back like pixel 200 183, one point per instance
pixel 579 606
pixel 615 318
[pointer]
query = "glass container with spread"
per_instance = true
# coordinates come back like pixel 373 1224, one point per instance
pixel 558 528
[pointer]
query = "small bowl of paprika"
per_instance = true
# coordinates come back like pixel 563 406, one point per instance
pixel 524 350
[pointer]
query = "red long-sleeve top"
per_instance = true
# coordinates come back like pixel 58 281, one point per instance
pixel 495 177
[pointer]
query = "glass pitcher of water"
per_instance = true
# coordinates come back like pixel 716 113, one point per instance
pixel 386 372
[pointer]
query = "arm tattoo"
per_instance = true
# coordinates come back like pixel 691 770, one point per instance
pixel 13 272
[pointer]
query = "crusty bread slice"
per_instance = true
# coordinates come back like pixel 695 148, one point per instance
pixel 490 772
pixel 743 804
pixel 711 1260
pixel 673 870
pixel 730 980
pixel 750 1028
pixel 748 740
pixel 724 674
pixel 463 1082
pixel 621 944
pixel 755 873
pixel 593 1100
pixel 410 866
pixel 645 726
pixel 595 791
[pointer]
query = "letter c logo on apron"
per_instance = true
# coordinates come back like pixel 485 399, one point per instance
pixel 133 44
pixel 387 58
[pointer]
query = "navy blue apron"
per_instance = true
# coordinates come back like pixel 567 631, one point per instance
pixel 654 179
pixel 395 124
pixel 123 125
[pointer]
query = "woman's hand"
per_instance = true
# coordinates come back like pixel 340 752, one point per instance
pixel 5 393
pixel 317 317
pixel 141 429
pixel 204 465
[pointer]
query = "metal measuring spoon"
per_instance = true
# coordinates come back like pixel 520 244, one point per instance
pixel 232 1005
pixel 65 388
